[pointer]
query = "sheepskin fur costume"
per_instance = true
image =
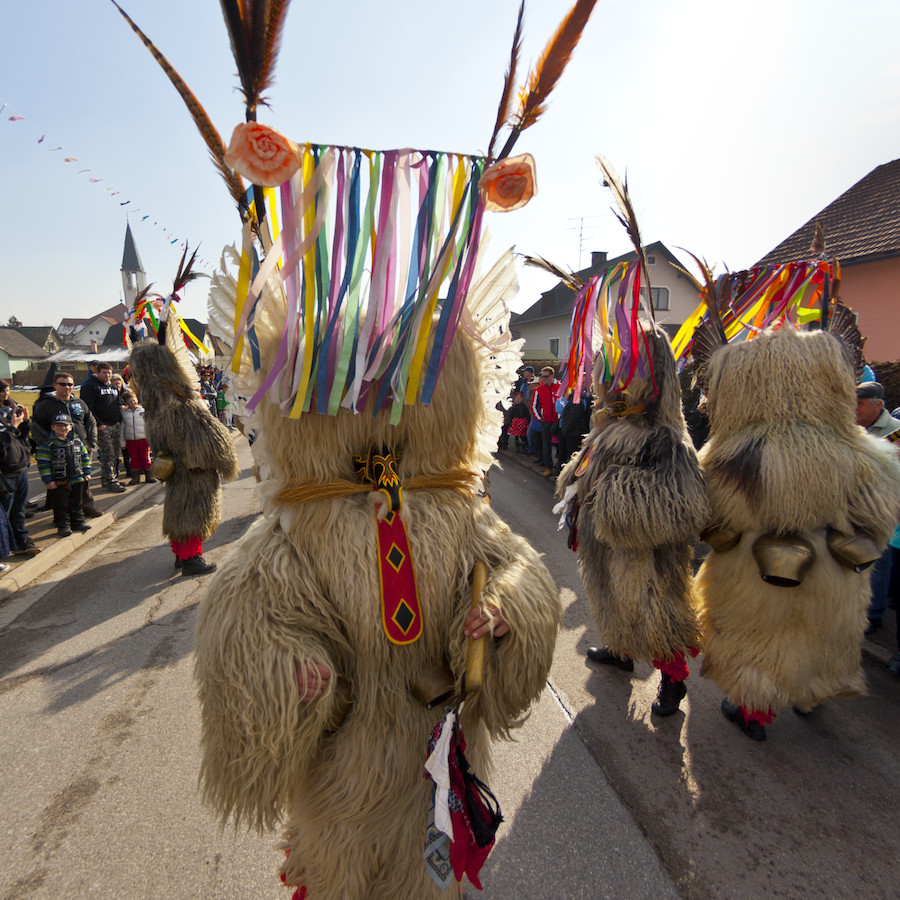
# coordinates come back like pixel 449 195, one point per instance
pixel 179 424
pixel 785 456
pixel 640 500
pixel 344 773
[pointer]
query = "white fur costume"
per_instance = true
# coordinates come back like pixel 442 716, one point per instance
pixel 785 456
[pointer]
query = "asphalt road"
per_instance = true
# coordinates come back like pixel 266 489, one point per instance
pixel 99 753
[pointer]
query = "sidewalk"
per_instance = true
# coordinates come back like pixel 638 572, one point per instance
pixel 26 569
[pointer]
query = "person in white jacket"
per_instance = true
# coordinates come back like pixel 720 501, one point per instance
pixel 134 439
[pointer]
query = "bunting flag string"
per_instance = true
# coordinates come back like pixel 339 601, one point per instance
pixel 375 255
pixel 126 204
pixel 754 299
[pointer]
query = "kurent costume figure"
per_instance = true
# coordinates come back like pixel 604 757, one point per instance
pixel 302 592
pixel 633 496
pixel 368 357
pixel 802 500
pixel 193 450
pixel 638 498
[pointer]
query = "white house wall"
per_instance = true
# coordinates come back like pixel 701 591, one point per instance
pixel 683 301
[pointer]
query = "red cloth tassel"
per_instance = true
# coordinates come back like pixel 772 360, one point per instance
pixel 755 715
pixel 187 549
pixel 676 669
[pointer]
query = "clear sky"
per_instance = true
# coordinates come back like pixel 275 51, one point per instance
pixel 736 122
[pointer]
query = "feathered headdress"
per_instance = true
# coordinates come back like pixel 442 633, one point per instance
pixel 367 255
pixel 608 332
pixel 737 306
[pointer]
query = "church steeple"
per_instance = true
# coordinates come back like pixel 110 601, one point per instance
pixel 134 279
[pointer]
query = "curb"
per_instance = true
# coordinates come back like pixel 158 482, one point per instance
pixel 27 572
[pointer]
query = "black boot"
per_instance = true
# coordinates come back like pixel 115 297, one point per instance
pixel 197 565
pixel 669 697
pixel 603 656
pixel 753 730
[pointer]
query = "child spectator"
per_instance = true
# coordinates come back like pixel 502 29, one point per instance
pixel 518 426
pixel 134 439
pixel 65 467
pixel 222 405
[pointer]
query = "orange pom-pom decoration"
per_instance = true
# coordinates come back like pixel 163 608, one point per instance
pixel 262 155
pixel 508 184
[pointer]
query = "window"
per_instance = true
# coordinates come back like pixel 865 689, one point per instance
pixel 659 296
pixel 651 260
pixel 554 347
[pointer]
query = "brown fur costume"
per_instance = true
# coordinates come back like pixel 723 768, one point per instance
pixel 785 456
pixel 641 500
pixel 179 423
pixel 303 587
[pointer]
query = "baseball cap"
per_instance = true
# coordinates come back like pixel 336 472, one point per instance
pixel 62 419
pixel 870 390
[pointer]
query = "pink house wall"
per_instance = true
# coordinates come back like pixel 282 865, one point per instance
pixel 872 290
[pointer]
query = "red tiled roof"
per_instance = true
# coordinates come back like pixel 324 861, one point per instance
pixel 863 222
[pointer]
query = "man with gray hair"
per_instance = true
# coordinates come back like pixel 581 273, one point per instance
pixel 870 411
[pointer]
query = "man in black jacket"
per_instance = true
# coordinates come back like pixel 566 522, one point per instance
pixel 62 401
pixel 102 399
pixel 15 457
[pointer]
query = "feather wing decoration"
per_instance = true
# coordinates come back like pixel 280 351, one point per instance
pixel 569 279
pixel 485 319
pixel 509 80
pixel 844 326
pixel 198 113
pixel 627 217
pixel 547 71
pixel 255 28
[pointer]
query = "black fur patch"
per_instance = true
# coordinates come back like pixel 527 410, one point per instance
pixel 742 470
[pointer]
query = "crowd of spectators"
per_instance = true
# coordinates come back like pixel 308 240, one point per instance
pixel 544 422
pixel 62 433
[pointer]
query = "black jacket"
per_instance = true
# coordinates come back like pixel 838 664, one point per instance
pixel 15 454
pixel 102 400
pixel 50 406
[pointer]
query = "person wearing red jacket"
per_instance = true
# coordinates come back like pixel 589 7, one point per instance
pixel 543 409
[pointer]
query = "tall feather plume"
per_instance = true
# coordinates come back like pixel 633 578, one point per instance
pixel 709 335
pixel 185 273
pixel 570 279
pixel 548 69
pixel 509 80
pixel 817 249
pixel 198 113
pixel 255 28
pixel 626 215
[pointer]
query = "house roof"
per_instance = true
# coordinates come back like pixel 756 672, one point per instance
pixel 15 344
pixel 115 315
pixel 559 300
pixel 37 333
pixel 862 224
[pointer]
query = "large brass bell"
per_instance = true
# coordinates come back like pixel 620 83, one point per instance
pixel 856 551
pixel 163 467
pixel 783 559
pixel 721 540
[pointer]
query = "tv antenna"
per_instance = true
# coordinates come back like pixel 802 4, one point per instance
pixel 581 228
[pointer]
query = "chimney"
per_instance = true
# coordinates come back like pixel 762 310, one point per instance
pixel 94 343
pixel 598 259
